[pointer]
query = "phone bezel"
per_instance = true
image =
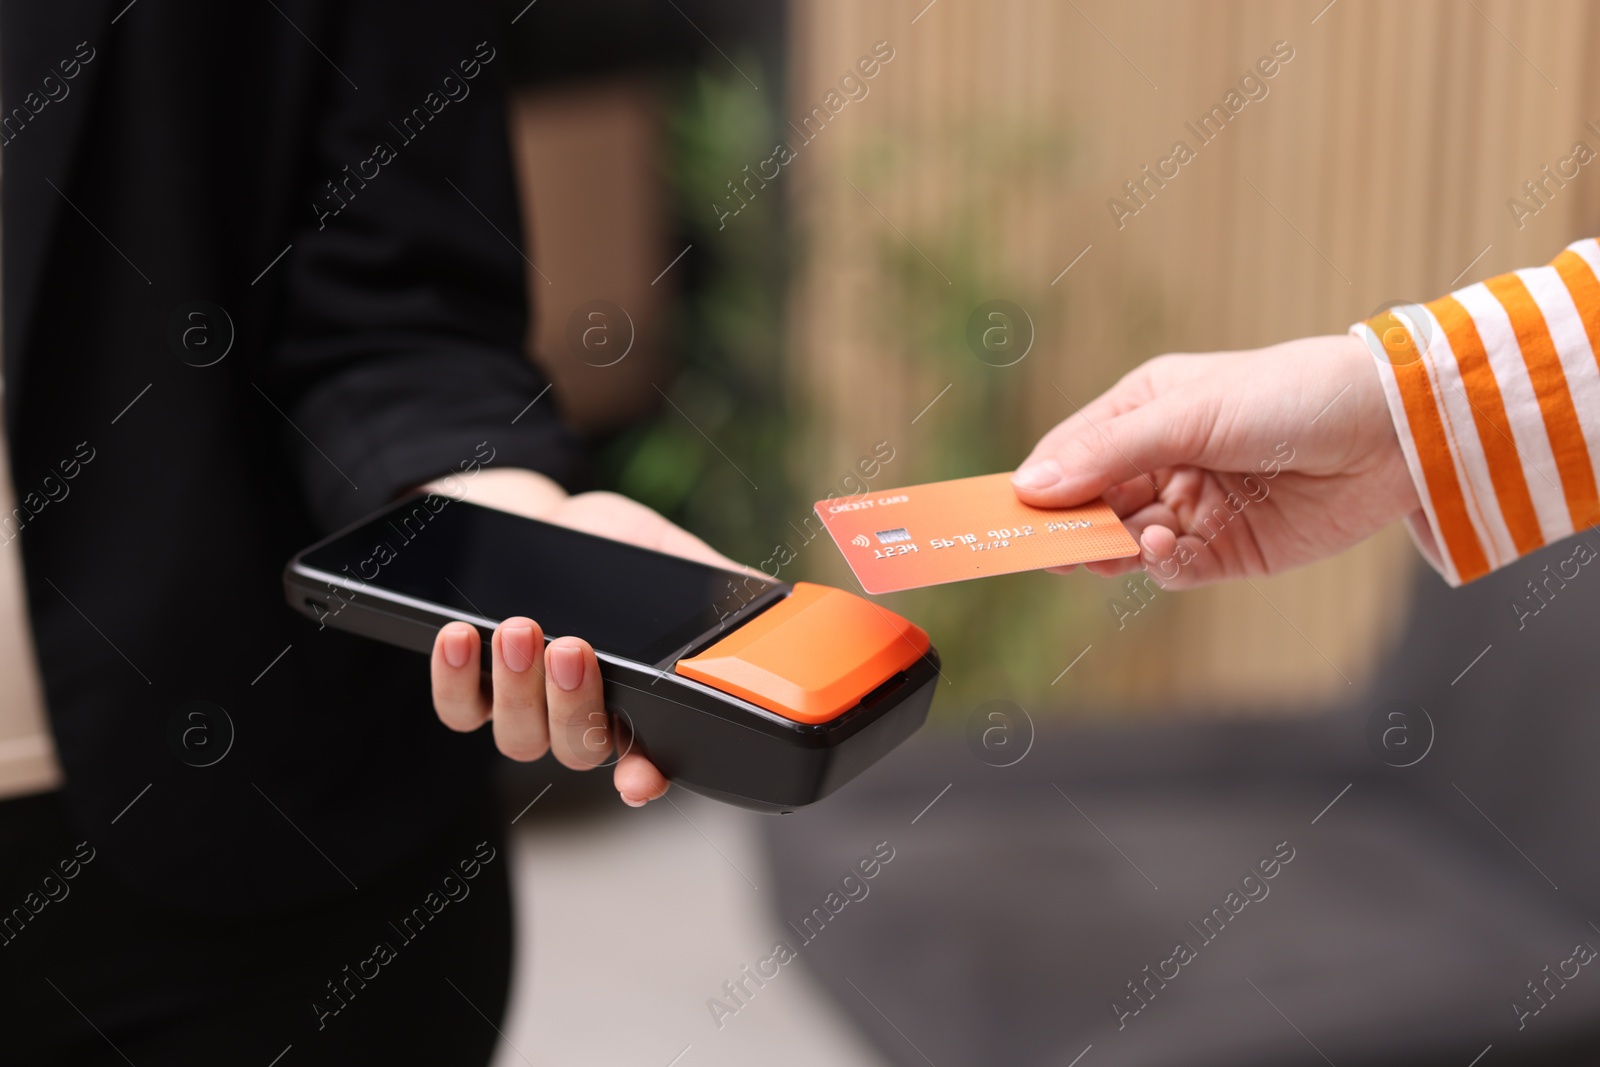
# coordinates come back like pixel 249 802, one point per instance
pixel 376 610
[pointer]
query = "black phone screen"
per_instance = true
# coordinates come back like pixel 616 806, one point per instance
pixel 627 601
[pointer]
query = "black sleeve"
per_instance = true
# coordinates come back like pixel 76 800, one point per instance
pixel 402 355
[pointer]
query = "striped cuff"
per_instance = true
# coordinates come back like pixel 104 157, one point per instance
pixel 1495 394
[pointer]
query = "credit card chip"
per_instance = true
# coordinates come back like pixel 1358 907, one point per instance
pixel 890 537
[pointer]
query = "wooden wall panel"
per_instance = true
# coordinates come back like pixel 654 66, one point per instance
pixel 1390 144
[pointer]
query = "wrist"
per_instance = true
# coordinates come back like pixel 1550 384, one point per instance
pixel 1394 479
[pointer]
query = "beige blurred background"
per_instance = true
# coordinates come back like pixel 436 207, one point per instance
pixel 1389 144
pixel 979 166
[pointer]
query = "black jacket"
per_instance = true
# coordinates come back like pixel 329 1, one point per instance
pixel 156 166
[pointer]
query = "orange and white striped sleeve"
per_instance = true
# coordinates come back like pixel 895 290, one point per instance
pixel 1495 394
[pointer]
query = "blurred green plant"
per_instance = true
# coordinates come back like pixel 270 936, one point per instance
pixel 712 458
pixel 1008 637
pixel 729 428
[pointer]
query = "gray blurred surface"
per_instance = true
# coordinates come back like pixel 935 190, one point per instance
pixel 628 921
pixel 1401 933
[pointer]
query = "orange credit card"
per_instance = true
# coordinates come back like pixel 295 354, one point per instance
pixel 968 528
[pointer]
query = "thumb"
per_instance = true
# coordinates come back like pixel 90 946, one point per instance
pixel 1094 456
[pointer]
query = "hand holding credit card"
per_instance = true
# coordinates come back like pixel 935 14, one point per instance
pixel 941 532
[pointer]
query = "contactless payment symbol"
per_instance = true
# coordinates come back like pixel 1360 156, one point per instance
pixel 861 541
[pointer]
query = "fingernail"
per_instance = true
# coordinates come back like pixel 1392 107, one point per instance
pixel 516 647
pixel 566 666
pixel 1037 475
pixel 457 647
pixel 631 801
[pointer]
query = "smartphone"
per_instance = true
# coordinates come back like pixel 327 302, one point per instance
pixel 752 691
